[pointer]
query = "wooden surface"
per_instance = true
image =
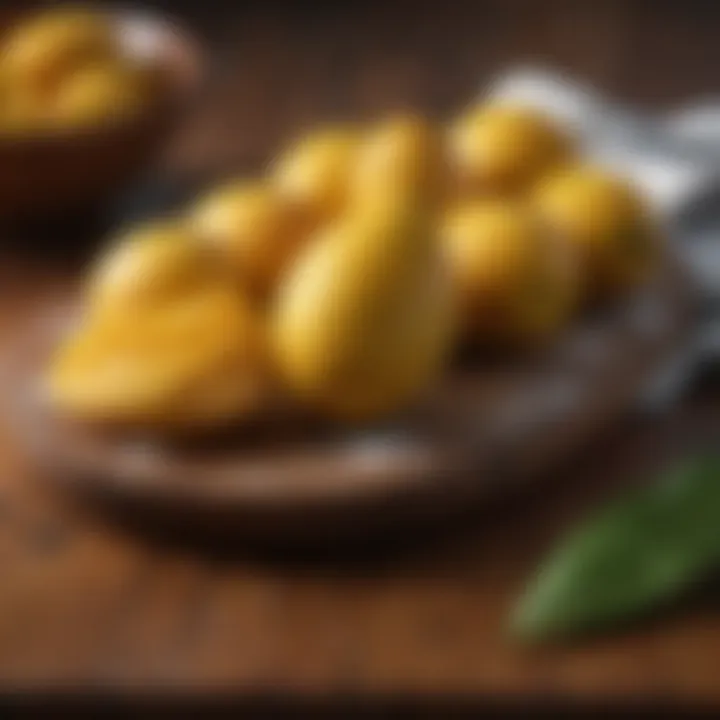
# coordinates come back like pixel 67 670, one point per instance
pixel 91 604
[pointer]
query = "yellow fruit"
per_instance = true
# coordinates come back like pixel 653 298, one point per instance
pixel 607 223
pixel 22 113
pixel 404 154
pixel 253 228
pixel 364 319
pixel 504 149
pixel 515 283
pixel 168 339
pixel 312 175
pixel 147 265
pixel 198 361
pixel 45 48
pixel 97 93
pixel 358 333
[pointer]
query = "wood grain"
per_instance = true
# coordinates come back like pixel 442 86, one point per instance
pixel 92 604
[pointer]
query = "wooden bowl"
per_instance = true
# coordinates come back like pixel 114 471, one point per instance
pixel 490 427
pixel 69 169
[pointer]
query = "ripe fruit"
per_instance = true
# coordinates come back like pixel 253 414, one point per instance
pixel 252 228
pixel 197 362
pixel 364 320
pixel 404 154
pixel 502 150
pixel 515 284
pixel 605 221
pixel 98 92
pixel 46 48
pixel 312 175
pixel 168 340
pixel 147 265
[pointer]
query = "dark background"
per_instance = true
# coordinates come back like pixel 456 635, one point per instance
pixel 283 65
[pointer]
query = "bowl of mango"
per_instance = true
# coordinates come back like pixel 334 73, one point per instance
pixel 86 98
pixel 344 280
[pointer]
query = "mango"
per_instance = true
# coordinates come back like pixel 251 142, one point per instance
pixel 167 341
pixel 147 265
pixel 604 219
pixel 365 319
pixel 312 174
pixel 195 363
pixel 22 112
pixel 48 46
pixel 404 154
pixel 504 149
pixel 251 226
pixel 98 93
pixel 516 284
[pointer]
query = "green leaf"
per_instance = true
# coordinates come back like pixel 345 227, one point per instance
pixel 636 554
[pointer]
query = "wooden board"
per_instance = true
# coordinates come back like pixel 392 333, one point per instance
pixel 492 425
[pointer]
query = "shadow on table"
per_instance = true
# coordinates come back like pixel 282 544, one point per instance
pixel 180 703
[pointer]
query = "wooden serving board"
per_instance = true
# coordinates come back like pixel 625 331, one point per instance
pixel 492 425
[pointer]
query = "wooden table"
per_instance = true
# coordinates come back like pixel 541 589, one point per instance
pixel 86 604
